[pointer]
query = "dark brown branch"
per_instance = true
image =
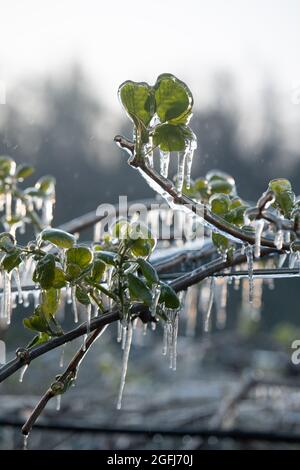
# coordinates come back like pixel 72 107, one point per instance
pixel 214 222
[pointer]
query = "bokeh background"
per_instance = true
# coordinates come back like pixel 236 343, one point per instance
pixel 61 63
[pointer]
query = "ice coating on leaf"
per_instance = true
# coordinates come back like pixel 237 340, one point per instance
pixel 249 255
pixel 259 226
pixel 180 171
pixel 74 304
pixel 22 372
pixel 125 364
pixel 164 163
pixel 207 322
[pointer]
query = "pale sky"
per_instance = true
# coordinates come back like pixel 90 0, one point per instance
pixel 133 39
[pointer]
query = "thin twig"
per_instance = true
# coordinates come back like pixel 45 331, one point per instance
pixel 71 369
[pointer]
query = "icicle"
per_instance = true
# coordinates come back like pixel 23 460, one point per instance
pixel 173 363
pixel 25 441
pixel 165 339
pixel 68 295
pixel 164 163
pixel 153 325
pixel 22 372
pixel 84 342
pixel 207 323
pixel 26 302
pixel 221 301
pixel 278 241
pixel 249 254
pixel 88 326
pixel 14 296
pixel 124 335
pixel 149 152
pixel 47 211
pixel 119 331
pixel 36 298
pixel 292 260
pixel 8 201
pixel 191 307
pixel 62 356
pixel 58 402
pixel 189 161
pixel 236 284
pixel 125 364
pixel 155 298
pixel 259 226
pixel 89 316
pixel 281 260
pixel 180 171
pixel 145 327
pixel 16 275
pixel 6 306
pixel 74 304
pixel 257 299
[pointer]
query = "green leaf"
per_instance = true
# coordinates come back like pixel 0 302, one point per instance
pixel 141 241
pixel 138 289
pixel 168 296
pixel 7 166
pixel 58 237
pixel 24 171
pixel 138 101
pixel 44 272
pixel 73 271
pixel 98 270
pixel 236 216
pixel 221 242
pixel 36 323
pixel 284 196
pixel 43 324
pixel 7 242
pixel 107 256
pixel 219 204
pixel 59 280
pixel 280 185
pixel 50 301
pixel 46 185
pixel 120 229
pixel 39 339
pixel 149 272
pixel 81 255
pixel 82 296
pixel 12 260
pixel 173 99
pixel 172 138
